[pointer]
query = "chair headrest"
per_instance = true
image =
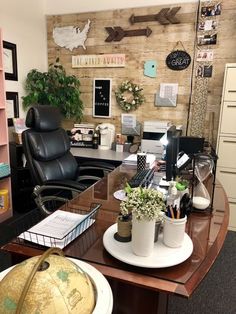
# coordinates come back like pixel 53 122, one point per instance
pixel 43 118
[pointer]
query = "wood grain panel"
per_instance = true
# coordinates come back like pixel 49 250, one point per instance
pixel 155 47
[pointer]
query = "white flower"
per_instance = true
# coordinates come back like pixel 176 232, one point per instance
pixel 133 102
pixel 145 204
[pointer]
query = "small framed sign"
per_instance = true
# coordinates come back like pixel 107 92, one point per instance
pixel 10 61
pixel 178 60
pixel 12 106
pixel 102 97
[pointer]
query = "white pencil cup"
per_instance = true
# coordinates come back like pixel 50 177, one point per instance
pixel 173 231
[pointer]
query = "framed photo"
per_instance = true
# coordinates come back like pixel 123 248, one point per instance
pixel 208 25
pixel 199 71
pixel 207 71
pixel 12 107
pixel 204 71
pixel 205 55
pixel 207 39
pixel 10 61
pixel 102 97
pixel 211 10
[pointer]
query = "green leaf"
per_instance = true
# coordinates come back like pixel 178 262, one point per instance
pixel 56 88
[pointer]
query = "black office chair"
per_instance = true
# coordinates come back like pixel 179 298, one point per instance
pixel 54 170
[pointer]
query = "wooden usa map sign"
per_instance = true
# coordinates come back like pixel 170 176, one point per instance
pixel 114 60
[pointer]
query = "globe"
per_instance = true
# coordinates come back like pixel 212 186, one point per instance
pixel 53 284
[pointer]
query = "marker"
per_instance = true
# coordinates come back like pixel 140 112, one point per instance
pixel 172 212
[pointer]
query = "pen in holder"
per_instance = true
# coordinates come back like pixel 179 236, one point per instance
pixel 173 231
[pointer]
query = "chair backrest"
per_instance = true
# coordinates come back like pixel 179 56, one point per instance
pixel 47 146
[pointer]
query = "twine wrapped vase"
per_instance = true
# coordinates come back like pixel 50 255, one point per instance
pixel 123 228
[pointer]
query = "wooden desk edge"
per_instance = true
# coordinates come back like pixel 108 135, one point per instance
pixel 151 283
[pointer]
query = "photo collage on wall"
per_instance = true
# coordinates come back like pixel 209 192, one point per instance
pixel 208 26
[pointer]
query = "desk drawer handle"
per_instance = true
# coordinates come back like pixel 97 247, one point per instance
pixel 230 202
pixel 231 91
pixel 228 141
pixel 231 106
pixel 225 171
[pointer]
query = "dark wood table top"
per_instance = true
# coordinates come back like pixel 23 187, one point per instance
pixel 207 231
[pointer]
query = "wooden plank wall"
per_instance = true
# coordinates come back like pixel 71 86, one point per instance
pixel 140 49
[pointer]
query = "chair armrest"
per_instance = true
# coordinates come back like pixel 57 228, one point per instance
pixel 95 168
pixel 47 202
pixel 65 184
pixel 97 164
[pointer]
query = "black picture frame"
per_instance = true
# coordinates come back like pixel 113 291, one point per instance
pixel 13 101
pixel 10 61
pixel 102 88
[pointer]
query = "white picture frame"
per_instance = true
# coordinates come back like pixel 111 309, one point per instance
pixel 102 88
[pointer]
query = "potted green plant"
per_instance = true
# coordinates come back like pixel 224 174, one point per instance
pixel 54 88
pixel 147 206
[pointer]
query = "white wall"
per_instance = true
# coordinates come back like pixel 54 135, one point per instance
pixel 23 23
pixel 74 6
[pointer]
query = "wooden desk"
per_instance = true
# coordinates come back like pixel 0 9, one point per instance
pixel 142 290
pixel 110 156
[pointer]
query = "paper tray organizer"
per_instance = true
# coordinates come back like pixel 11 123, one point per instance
pixel 53 241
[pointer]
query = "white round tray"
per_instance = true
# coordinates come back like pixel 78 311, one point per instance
pixel 104 302
pixel 161 257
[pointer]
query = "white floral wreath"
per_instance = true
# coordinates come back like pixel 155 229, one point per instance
pixel 128 96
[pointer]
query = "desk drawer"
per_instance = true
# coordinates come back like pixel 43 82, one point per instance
pixel 227 152
pixel 230 85
pixel 228 124
pixel 227 178
pixel 232 216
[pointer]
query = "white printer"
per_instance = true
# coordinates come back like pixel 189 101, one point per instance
pixel 153 131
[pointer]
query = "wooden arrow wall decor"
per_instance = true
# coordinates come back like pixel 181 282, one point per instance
pixel 164 17
pixel 117 33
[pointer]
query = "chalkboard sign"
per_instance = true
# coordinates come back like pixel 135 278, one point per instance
pixel 102 98
pixel 178 60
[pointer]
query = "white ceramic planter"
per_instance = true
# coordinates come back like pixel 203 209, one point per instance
pixel 143 232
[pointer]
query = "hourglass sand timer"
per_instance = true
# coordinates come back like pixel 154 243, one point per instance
pixel 203 168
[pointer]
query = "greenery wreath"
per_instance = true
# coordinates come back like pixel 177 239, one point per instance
pixel 129 96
